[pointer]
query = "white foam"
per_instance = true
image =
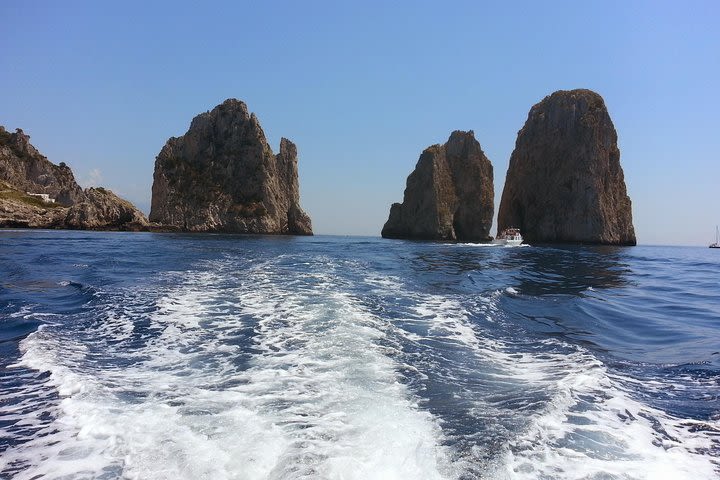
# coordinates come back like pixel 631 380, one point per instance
pixel 321 396
pixel 592 427
pixel 478 245
pixel 610 436
pixel 340 398
pixel 446 318
pixel 320 400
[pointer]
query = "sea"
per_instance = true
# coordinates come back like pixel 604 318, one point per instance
pixel 181 356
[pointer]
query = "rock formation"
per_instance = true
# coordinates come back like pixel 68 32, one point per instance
pixel 20 210
pixel 223 176
pixel 564 183
pixel 103 210
pixel 36 193
pixel 23 167
pixel 449 195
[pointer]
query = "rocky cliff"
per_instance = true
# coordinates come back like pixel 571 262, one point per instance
pixel 26 175
pixel 564 183
pixel 449 195
pixel 20 210
pixel 23 167
pixel 223 176
pixel 101 209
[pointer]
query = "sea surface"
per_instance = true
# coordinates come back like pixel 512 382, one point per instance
pixel 171 356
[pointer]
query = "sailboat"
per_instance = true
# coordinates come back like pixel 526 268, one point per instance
pixel 717 239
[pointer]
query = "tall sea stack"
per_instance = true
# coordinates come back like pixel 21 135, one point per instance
pixel 222 176
pixel 449 195
pixel 564 183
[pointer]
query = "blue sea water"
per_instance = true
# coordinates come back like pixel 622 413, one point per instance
pixel 170 356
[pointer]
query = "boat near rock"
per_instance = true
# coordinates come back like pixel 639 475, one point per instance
pixel 509 237
pixel 564 183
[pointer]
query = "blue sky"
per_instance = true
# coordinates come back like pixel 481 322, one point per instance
pixel 363 87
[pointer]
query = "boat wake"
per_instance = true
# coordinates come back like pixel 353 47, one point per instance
pixel 314 366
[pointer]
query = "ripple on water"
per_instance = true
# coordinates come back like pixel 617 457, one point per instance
pixel 335 358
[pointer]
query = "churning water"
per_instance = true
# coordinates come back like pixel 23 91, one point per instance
pixel 165 356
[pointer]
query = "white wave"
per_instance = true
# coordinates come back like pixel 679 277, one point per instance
pixel 448 319
pixel 477 245
pixel 590 428
pixel 272 374
pixel 161 417
pixel 488 245
pixel 320 399
pixel 324 377
pixel 593 428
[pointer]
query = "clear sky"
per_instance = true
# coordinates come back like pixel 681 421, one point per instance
pixel 363 87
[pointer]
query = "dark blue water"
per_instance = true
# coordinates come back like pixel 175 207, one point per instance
pixel 241 357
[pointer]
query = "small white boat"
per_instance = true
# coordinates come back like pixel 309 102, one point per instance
pixel 717 239
pixel 510 237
